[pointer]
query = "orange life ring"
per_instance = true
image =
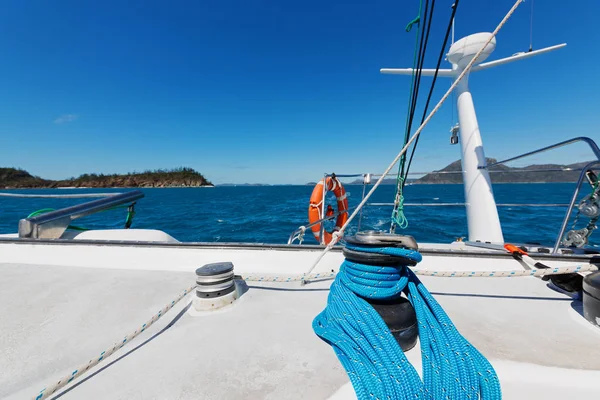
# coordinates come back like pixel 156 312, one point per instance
pixel 316 206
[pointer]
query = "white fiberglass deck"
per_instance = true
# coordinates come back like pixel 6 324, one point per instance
pixel 56 317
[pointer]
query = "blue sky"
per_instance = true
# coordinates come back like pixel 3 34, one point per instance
pixel 272 91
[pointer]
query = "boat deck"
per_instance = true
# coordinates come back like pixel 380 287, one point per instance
pixel 55 318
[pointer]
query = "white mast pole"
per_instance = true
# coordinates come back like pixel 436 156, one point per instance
pixel 482 214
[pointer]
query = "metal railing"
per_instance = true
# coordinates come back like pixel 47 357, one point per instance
pixel 57 196
pixel 463 204
pixel 565 222
pixel 53 224
pixel 325 176
pixel 591 165
pixel 595 149
pixel 593 146
pixel 299 232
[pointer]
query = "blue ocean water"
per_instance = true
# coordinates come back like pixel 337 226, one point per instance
pixel 268 214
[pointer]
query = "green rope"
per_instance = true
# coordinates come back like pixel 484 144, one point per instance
pixel 47 210
pixel 38 212
pixel 128 219
pixel 414 21
pixel 398 217
pixel 130 215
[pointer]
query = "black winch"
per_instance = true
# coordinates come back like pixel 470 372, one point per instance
pixel 398 313
pixel 591 298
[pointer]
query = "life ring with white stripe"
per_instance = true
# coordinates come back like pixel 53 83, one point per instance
pixel 316 206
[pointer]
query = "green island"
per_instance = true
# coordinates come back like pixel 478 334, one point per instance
pixel 537 173
pixel 16 178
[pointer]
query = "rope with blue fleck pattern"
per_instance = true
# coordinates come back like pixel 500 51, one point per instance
pixel 374 361
pixel 51 389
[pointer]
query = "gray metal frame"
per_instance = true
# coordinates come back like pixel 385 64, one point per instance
pixel 53 224
pixel 565 222
pixel 280 247
pixel 593 146
pixel 299 232
pixel 323 218
pixel 590 142
pixel 592 165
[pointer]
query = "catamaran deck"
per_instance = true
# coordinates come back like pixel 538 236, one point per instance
pixel 56 317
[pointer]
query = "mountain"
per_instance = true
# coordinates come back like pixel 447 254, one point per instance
pixel 539 173
pixel 12 178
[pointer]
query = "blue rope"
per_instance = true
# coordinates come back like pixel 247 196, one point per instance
pixel 374 361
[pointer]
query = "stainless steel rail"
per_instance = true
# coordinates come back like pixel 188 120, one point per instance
pixel 462 204
pixel 594 165
pixel 565 222
pixel 593 146
pixel 53 224
pixel 492 171
pixel 57 196
pixel 591 165
pixel 300 231
pixel 498 171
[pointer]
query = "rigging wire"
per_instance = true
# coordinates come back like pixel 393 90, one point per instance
pixel 416 78
pixel 398 217
pixel 414 81
pixel 421 61
pixel 437 68
pixel 337 235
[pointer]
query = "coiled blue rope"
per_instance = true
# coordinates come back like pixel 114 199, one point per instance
pixel 374 361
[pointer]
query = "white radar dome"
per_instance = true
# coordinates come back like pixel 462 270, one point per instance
pixel 463 51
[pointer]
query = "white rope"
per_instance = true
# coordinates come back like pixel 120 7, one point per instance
pixel 339 234
pixel 299 235
pixel 285 278
pixel 507 274
pixel 517 273
pixel 49 390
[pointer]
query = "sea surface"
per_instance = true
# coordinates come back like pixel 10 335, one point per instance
pixel 268 214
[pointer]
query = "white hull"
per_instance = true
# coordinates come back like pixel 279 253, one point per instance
pixel 79 298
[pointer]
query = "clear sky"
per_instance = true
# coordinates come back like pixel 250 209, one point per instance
pixel 272 91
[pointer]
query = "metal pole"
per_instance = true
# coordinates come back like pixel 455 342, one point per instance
pixel 453 5
pixel 590 142
pixel 563 228
pixel 321 237
pixel 363 196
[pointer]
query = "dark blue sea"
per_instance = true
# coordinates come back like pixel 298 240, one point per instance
pixel 268 214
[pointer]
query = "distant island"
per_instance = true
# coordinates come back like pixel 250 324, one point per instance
pixel 539 173
pixel 15 178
